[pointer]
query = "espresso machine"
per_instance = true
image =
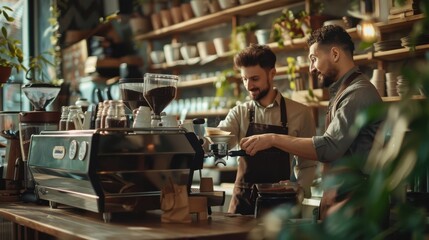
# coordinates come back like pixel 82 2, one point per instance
pixel 113 170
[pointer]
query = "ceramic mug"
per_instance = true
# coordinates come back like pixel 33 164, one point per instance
pixel 169 121
pixel 142 118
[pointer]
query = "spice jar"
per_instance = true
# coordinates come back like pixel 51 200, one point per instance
pixel 116 117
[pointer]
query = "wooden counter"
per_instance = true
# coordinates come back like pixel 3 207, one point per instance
pixel 72 223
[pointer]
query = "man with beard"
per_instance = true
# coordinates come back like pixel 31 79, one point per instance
pixel 331 57
pixel 267 112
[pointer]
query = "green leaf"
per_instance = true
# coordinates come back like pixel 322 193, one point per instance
pixel 8 8
pixel 4 32
pixel 8 18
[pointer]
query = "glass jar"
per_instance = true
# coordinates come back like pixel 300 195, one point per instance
pixel 75 118
pixel 116 117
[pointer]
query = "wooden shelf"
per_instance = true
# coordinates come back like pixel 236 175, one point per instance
pixel 323 104
pixel 196 82
pixel 192 62
pixel 398 98
pixel 401 53
pixel 215 18
pixel 297 43
pixel 393 25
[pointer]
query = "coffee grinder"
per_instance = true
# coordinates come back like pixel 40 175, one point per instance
pixel 132 93
pixel 11 165
pixel 159 91
pixel 40 96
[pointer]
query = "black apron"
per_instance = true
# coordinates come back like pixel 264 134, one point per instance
pixel 329 197
pixel 267 166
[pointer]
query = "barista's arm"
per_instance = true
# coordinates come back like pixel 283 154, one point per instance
pixel 232 123
pixel 299 146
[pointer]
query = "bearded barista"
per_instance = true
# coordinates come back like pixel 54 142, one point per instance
pixel 267 112
pixel 331 56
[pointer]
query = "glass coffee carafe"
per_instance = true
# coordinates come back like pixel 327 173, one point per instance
pixel 159 91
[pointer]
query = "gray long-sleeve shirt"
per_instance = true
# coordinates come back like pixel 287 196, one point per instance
pixel 338 141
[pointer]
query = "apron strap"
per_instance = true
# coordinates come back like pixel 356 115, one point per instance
pixel 251 114
pixel 344 85
pixel 283 114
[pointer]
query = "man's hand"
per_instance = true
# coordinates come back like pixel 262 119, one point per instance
pixel 256 143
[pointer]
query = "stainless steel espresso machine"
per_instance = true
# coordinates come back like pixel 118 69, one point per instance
pixel 114 170
pixel 111 170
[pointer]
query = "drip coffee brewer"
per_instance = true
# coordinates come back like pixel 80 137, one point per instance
pixel 159 91
pixel 33 122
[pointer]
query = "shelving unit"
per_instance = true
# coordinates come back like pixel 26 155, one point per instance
pixel 294 44
pixel 216 18
pixel 196 82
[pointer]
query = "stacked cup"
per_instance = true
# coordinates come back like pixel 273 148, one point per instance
pixel 391 84
pixel 403 86
pixel 378 81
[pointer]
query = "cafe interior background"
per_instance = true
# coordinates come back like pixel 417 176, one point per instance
pixel 92 47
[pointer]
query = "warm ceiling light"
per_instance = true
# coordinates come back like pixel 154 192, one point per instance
pixel 368 31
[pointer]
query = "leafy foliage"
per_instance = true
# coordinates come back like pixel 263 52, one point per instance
pixel 290 25
pixel 10 48
pixel 239 36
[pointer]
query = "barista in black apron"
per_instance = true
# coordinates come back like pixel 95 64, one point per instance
pixel 267 166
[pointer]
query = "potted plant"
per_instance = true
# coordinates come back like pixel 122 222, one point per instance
pixel 140 18
pixel 11 56
pixel 35 72
pixel 242 35
pixel 290 25
pixel 226 87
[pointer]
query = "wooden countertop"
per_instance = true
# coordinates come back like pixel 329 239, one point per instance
pixel 72 223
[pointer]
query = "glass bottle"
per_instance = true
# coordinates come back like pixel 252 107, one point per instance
pixel 104 113
pixel 97 123
pixel 116 117
pixel 64 117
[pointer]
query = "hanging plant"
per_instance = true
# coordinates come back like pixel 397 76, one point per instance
pixel 292 71
pixel 224 87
